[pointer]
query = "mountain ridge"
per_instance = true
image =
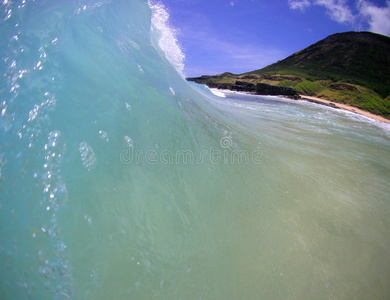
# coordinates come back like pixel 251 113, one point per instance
pixel 343 55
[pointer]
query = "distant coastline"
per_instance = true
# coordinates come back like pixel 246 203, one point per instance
pixel 351 70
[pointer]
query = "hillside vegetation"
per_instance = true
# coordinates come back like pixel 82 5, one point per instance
pixel 351 68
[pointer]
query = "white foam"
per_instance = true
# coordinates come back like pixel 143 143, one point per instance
pixel 218 93
pixel 168 42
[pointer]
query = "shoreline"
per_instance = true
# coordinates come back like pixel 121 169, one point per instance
pixel 346 107
pixel 320 101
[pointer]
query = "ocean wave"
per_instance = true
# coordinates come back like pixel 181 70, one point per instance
pixel 121 180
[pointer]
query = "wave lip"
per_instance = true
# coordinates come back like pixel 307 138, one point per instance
pixel 167 40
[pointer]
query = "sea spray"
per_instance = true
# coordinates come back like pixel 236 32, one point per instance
pixel 166 35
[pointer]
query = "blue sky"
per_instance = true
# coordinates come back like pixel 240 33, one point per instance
pixel 245 35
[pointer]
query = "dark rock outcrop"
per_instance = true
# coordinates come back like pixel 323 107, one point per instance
pixel 244 86
pixel 267 89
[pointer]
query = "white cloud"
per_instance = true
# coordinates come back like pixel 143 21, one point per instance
pixel 299 4
pixel 338 10
pixel 378 18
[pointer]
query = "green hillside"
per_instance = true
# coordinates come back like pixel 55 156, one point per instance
pixel 361 58
pixel 351 68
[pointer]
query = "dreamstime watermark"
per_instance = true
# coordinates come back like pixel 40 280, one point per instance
pixel 223 155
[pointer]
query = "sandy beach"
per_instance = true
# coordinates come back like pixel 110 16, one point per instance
pixel 348 107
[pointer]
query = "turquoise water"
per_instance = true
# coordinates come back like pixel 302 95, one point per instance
pixel 120 180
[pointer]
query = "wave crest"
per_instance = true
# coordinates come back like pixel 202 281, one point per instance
pixel 167 40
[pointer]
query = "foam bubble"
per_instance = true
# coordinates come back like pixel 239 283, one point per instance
pixel 128 106
pixel 88 156
pixel 103 135
pixel 128 140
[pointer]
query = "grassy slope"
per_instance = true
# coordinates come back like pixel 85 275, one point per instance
pixel 354 95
